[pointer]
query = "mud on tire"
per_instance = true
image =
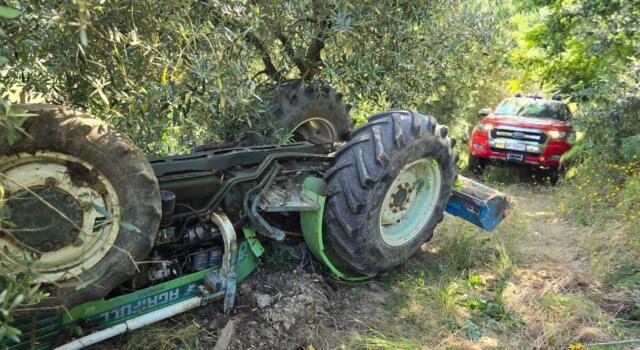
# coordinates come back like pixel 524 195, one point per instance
pixel 364 170
pixel 113 154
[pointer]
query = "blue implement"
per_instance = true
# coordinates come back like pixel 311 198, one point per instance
pixel 478 204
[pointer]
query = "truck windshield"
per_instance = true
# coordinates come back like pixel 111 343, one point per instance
pixel 528 107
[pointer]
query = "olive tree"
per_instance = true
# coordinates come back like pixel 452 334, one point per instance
pixel 173 73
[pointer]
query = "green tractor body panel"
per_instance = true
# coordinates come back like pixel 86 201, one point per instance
pixel 100 314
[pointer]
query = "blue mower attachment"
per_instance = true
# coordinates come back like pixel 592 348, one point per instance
pixel 478 204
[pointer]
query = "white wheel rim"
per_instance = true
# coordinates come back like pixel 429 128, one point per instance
pixel 97 233
pixel 316 127
pixel 410 201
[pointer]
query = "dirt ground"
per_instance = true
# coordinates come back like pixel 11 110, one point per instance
pixel 549 297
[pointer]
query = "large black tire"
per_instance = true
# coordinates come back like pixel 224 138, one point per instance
pixel 297 103
pixel 113 154
pixel 364 170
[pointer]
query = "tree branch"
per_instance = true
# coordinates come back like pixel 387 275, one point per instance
pixel 269 68
pixel 313 59
pixel 289 51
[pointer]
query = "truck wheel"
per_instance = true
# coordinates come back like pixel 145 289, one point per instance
pixel 313 112
pixel 477 164
pixel 553 175
pixel 387 190
pixel 84 200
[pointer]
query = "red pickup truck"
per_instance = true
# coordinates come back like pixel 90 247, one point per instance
pixel 524 130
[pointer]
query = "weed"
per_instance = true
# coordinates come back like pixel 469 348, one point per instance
pixel 284 136
pixel 473 331
pixel 281 257
pixel 567 315
pixel 458 253
pixel 447 296
pixel 501 261
pixel 505 174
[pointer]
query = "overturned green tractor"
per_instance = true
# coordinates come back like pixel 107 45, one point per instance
pixel 121 241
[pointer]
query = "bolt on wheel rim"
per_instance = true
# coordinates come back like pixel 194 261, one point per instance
pixel 66 212
pixel 316 130
pixel 410 201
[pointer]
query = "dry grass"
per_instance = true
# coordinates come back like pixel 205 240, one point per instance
pixel 508 289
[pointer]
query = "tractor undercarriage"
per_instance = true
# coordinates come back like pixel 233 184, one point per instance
pixel 187 229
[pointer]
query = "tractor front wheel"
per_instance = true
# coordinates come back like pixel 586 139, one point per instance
pixel 387 190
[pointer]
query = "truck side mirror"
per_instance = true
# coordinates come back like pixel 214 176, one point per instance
pixel 484 112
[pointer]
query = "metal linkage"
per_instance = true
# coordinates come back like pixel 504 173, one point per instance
pixel 264 167
pixel 226 277
pixel 261 224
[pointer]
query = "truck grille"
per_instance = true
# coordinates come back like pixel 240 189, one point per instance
pixel 520 134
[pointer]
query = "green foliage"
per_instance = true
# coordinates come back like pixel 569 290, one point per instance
pixel 18 290
pixel 578 43
pixel 177 73
pixel 631 148
pixel 16 276
pixel 585 50
pixel 9 124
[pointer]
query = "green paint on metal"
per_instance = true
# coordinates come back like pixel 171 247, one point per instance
pixel 104 313
pixel 109 312
pixel 252 240
pixel 51 229
pixel 311 222
pixel 38 332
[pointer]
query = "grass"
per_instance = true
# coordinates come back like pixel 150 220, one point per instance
pixel 452 292
pixel 470 289
pixel 180 332
pixel 380 341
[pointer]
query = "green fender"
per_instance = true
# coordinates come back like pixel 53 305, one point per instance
pixel 311 222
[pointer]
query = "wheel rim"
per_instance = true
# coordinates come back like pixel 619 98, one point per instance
pixel 410 201
pixel 316 130
pixel 78 212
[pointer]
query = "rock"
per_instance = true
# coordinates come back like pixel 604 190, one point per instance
pixel 375 287
pixel 263 300
pixel 225 336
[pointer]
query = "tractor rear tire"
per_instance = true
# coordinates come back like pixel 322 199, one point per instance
pixel 312 112
pixel 362 194
pixel 100 160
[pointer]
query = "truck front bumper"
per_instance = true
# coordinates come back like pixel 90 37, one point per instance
pixel 520 152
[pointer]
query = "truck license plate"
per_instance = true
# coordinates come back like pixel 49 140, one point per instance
pixel 515 156
pixel 516 146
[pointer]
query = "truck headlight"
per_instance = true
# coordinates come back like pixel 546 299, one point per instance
pixel 555 134
pixel 484 127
